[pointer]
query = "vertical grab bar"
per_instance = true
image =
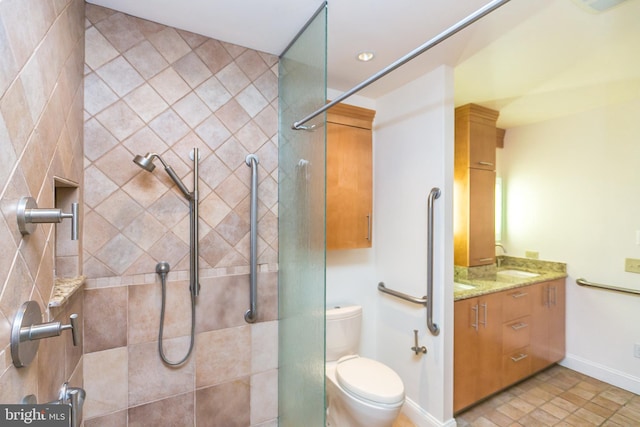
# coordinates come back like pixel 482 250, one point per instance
pixel 434 194
pixel 252 314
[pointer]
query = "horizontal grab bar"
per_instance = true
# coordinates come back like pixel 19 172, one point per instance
pixel 383 288
pixel 585 282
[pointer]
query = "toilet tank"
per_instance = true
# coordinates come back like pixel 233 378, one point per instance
pixel 343 331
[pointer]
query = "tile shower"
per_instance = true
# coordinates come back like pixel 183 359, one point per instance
pixel 147 87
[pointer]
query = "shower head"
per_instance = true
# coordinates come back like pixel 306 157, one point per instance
pixel 146 163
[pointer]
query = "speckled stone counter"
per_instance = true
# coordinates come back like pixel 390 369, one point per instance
pixel 64 288
pixel 485 279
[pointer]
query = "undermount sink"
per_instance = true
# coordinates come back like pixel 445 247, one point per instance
pixel 462 287
pixel 517 273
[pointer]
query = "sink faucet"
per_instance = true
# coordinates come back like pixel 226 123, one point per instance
pixel 498 259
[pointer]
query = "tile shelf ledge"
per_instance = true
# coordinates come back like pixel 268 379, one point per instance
pixel 64 288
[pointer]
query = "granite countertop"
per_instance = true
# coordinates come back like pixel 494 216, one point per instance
pixel 486 279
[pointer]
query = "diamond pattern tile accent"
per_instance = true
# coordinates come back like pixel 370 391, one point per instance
pixel 192 110
pixel 119 209
pixel 170 44
pixel 120 76
pixel 150 88
pixel 192 69
pixel 169 127
pixel 170 85
pixel 97 93
pixel 119 253
pixel 146 59
pixel 252 100
pixel 146 102
pixel 121 120
pixel 120 30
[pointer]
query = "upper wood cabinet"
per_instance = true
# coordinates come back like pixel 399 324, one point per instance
pixel 474 191
pixel 476 137
pixel 349 177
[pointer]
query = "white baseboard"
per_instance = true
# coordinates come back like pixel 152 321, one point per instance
pixel 602 373
pixel 421 418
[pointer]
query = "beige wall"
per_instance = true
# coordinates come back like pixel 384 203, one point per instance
pixel 41 96
pixel 152 88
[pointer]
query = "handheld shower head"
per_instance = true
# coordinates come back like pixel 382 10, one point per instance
pixel 145 162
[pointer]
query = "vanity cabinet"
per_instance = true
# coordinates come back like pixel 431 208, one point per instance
pixel 477 349
pixel 349 177
pixel 503 337
pixel 548 332
pixel 474 194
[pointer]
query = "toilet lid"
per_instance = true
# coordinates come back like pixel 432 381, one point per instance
pixel 369 379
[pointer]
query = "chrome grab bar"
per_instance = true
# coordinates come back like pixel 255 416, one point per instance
pixel 434 194
pixel 252 314
pixel 585 282
pixel 427 300
pixel 401 295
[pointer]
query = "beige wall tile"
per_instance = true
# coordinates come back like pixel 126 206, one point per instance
pixel 174 411
pixel 150 379
pixel 264 396
pixel 222 355
pixel 224 405
pixel 106 381
pixel 105 319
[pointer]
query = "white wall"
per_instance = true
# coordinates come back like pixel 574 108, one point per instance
pixel 413 152
pixel 572 188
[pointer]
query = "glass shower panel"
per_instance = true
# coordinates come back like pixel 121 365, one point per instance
pixel 301 211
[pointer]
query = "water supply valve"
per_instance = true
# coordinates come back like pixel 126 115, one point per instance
pixel 29 214
pixel 28 329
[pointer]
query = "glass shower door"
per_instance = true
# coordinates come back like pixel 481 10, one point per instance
pixel 301 212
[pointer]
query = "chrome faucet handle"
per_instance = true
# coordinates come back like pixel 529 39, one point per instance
pixel 27 329
pixel 73 325
pixel 51 329
pixel 29 214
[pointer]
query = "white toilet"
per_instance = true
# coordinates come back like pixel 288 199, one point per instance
pixel 361 392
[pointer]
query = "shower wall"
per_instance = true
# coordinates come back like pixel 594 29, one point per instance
pixel 152 88
pixel 41 57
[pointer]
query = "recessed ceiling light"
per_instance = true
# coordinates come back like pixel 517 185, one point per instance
pixel 365 56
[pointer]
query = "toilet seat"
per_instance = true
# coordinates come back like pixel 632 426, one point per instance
pixel 369 379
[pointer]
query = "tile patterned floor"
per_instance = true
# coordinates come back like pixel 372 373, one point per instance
pixel 556 397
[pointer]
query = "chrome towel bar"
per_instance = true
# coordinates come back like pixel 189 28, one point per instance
pixel 585 282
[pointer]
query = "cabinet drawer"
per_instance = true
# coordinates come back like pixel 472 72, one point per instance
pixel 516 303
pixel 516 334
pixel 516 366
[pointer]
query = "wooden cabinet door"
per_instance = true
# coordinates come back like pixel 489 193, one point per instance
pixel 482 234
pixel 557 314
pixel 465 361
pixel 477 349
pixel 349 187
pixel 548 324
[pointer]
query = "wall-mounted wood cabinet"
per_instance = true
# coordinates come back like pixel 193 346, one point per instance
pixel 504 337
pixel 349 177
pixel 474 191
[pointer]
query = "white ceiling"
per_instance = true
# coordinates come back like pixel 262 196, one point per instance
pixel 532 59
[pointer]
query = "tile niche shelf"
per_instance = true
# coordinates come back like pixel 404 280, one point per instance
pixel 64 288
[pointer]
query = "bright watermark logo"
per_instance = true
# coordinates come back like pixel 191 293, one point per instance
pixel 35 415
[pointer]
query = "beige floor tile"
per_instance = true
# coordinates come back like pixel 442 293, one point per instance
pixel 557 397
